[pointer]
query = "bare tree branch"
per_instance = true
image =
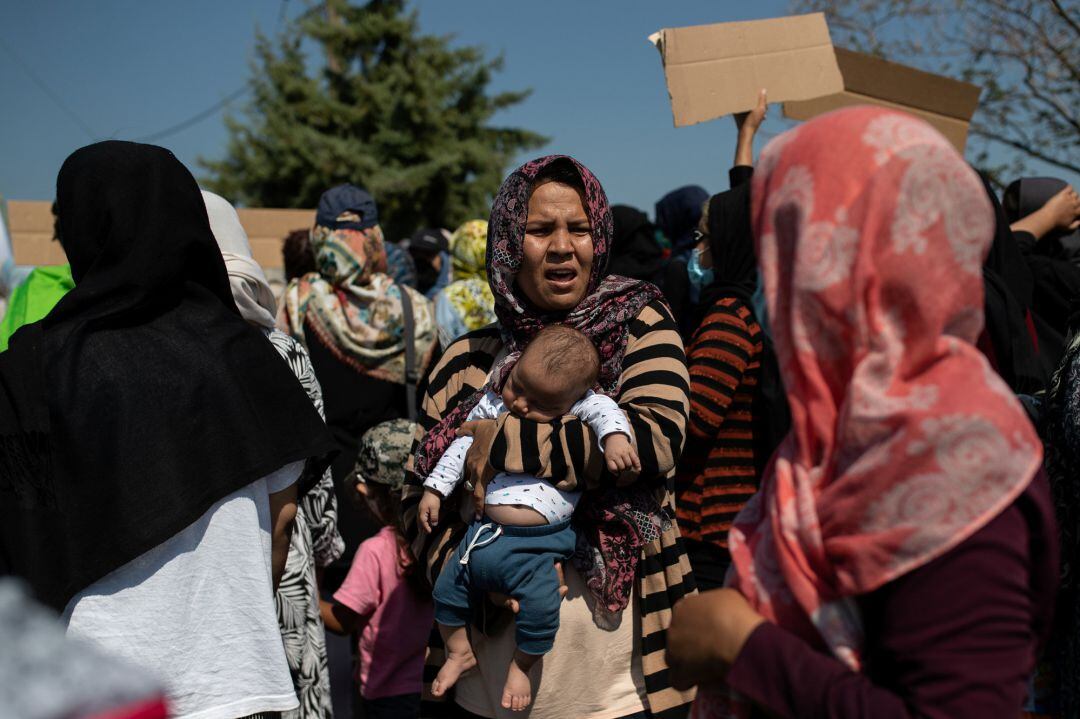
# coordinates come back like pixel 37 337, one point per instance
pixel 1027 149
pixel 1069 20
pixel 1025 54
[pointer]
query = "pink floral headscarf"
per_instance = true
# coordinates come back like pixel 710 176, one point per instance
pixel 871 233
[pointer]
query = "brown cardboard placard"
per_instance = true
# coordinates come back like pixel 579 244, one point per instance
pixel 945 103
pixel 715 70
pixel 31 225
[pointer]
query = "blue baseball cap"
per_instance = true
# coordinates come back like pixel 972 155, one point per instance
pixel 347 207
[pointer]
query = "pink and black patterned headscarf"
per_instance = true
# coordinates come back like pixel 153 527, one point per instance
pixel 604 315
pixel 610 303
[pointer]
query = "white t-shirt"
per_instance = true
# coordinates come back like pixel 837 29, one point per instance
pixel 198 610
pixel 600 412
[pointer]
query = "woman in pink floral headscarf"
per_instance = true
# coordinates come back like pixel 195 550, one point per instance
pixel 899 559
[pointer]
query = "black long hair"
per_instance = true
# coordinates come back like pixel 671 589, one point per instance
pixel 387 510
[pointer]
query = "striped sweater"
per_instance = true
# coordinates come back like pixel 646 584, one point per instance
pixel 653 393
pixel 717 476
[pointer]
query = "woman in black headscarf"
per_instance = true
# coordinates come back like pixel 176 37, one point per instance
pixel 677 215
pixel 738 411
pixel 1011 337
pixel 151 441
pixel 635 251
pixel 1044 214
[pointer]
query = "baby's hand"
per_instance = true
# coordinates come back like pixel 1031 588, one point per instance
pixel 621 456
pixel 430 504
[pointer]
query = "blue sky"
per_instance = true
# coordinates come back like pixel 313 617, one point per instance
pixel 128 69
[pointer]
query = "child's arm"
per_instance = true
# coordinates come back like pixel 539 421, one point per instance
pixel 430 506
pixel 447 473
pixel 359 596
pixel 444 478
pixel 620 454
pixel 612 428
pixel 338 618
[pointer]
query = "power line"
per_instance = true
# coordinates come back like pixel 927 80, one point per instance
pixel 217 106
pixel 195 119
pixel 44 87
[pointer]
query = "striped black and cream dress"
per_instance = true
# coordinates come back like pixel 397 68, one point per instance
pixel 654 389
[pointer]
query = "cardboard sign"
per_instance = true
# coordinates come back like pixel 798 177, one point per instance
pixel 32 232
pixel 7 257
pixel 945 103
pixel 716 70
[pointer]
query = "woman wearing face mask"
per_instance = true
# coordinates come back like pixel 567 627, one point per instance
pixel 728 443
pixel 686 279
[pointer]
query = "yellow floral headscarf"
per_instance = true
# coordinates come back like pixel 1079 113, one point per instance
pixel 469 295
pixel 469 251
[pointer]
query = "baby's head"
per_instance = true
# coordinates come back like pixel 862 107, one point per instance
pixel 554 371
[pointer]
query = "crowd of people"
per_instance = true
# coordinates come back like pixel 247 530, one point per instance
pixel 805 447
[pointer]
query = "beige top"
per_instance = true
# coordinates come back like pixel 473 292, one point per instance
pixel 590 673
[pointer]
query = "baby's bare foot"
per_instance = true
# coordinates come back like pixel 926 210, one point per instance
pixel 517 693
pixel 457 663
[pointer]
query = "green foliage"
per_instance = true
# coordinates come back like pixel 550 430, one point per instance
pixel 405 115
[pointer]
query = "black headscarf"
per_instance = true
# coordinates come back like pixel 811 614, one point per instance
pixel 143 397
pixel 678 213
pixel 1056 281
pixel 731 242
pixel 1010 288
pixel 634 250
pixel 734 264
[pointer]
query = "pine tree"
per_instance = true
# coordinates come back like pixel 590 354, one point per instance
pixel 405 115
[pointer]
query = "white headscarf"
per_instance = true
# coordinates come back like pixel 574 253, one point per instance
pixel 250 288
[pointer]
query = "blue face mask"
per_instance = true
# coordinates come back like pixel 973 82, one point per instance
pixel 700 277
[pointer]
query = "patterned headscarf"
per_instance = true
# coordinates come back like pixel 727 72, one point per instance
pixel 400 265
pixel 354 308
pixel 904 441
pixel 468 251
pixel 469 294
pixel 604 315
pixel 614 523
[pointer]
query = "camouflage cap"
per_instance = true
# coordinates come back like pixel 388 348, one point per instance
pixel 384 450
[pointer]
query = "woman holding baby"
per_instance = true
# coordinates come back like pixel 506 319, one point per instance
pixel 549 238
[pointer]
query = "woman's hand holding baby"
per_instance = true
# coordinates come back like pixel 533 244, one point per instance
pixel 478 470
pixel 622 458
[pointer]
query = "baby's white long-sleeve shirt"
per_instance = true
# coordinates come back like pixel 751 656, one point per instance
pixel 598 411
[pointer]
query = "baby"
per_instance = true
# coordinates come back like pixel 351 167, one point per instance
pixel 526 529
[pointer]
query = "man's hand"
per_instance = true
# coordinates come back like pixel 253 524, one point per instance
pixel 478 470
pixel 430 504
pixel 622 458
pixel 707 632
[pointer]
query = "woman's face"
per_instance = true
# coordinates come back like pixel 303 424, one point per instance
pixel 558 249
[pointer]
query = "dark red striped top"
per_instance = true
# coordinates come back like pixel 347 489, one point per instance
pixel 717 473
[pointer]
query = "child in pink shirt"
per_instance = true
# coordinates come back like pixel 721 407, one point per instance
pixel 379 597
